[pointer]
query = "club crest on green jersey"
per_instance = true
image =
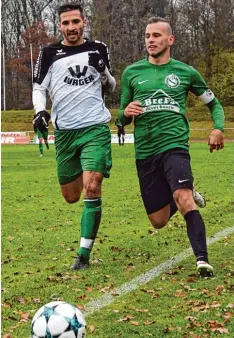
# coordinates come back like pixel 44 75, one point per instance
pixel 172 81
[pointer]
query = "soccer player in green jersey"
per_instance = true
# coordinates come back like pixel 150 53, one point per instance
pixel 154 93
pixel 42 136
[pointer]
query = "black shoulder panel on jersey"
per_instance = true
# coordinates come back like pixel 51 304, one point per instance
pixel 56 51
pixel 45 59
pixel 43 64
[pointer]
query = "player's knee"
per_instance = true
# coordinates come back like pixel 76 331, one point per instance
pixel 92 189
pixel 158 223
pixel 184 200
pixel 71 198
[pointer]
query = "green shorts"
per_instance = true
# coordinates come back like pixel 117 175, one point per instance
pixel 43 134
pixel 86 149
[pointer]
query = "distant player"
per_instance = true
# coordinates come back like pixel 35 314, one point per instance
pixel 120 132
pixel 75 71
pixel 154 93
pixel 42 135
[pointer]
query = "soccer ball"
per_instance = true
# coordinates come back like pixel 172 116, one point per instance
pixel 58 319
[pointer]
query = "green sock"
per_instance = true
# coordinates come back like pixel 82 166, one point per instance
pixel 90 221
pixel 41 148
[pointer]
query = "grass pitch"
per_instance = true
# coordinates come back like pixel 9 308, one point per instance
pixel 40 236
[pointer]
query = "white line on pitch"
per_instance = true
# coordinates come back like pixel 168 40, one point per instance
pixel 144 278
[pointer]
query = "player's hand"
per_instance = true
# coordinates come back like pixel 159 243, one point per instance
pixel 133 109
pixel 41 120
pixel 216 140
pixel 96 61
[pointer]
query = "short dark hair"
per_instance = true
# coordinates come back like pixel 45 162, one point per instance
pixel 70 7
pixel 156 19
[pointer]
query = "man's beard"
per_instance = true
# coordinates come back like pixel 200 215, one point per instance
pixel 77 34
pixel 157 55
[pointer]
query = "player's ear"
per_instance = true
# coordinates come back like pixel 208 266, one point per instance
pixel 85 22
pixel 171 40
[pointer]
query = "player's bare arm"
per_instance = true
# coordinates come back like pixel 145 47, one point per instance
pixel 133 109
pixel 216 140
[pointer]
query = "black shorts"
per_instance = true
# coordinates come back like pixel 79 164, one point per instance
pixel 160 175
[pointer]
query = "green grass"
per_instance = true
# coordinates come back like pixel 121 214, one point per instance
pixel 40 236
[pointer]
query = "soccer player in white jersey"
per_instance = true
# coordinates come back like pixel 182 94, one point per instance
pixel 76 71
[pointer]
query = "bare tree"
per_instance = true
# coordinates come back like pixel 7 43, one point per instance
pixel 204 32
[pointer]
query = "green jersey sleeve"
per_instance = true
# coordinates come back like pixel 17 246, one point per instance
pixel 200 89
pixel 126 98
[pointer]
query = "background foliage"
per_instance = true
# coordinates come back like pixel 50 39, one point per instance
pixel 204 33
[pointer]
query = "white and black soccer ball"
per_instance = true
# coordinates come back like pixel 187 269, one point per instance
pixel 58 320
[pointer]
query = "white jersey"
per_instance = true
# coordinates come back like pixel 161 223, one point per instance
pixel 75 88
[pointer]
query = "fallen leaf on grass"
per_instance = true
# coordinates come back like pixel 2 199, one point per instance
pixel 220 289
pixel 215 305
pixel 216 326
pixel 230 306
pixel 91 328
pixel 228 316
pixel 130 268
pixel 115 293
pixel 220 330
pixel 21 300
pixel 191 279
pixel 24 316
pixel 9 238
pixel 206 292
pixel 36 300
pixel 85 297
pixel 172 273
pixel 141 310
pixel 7 261
pixel 6 305
pixel 55 297
pixel 188 288
pixel 125 319
pixel 134 323
pixel 115 249
pixel 89 289
pixel 180 293
pixel 198 306
pixel 80 307
pixel 194 324
pixel 149 322
pixel 106 289
pixel 154 293
pixel 190 318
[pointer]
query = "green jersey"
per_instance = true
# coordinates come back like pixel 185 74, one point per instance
pixel 162 91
